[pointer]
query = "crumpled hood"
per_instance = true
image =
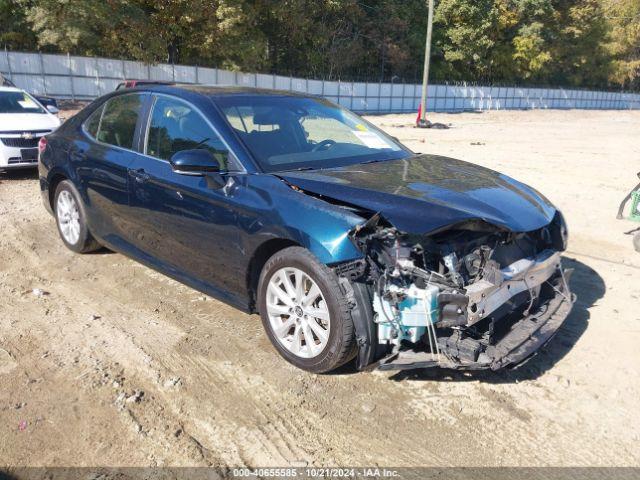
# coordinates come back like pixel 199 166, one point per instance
pixel 425 193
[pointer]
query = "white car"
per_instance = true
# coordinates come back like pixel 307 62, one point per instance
pixel 23 121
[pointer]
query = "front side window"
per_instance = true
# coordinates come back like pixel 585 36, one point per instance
pixel 118 124
pixel 18 102
pixel 287 132
pixel 176 126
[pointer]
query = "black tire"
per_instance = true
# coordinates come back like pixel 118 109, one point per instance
pixel 85 243
pixel 636 242
pixel 341 345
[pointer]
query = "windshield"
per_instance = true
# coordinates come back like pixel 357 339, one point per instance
pixel 289 133
pixel 18 102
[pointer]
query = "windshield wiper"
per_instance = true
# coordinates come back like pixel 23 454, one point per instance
pixel 200 143
pixel 300 169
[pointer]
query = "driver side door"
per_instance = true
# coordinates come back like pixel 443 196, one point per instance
pixel 185 223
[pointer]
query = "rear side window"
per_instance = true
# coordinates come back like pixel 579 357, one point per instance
pixel 92 124
pixel 119 119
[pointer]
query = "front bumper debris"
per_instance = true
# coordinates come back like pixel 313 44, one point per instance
pixel 470 296
pixel 522 340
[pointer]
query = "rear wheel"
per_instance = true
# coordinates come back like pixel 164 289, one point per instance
pixel 636 241
pixel 71 219
pixel 304 311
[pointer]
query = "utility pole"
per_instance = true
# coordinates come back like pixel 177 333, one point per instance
pixel 422 121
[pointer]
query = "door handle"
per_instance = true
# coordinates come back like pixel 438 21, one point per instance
pixel 139 175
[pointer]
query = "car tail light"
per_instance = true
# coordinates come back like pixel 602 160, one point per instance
pixel 42 145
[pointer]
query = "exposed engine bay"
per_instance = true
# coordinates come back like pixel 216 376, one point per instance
pixel 471 296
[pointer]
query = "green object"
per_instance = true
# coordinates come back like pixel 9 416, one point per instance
pixel 635 206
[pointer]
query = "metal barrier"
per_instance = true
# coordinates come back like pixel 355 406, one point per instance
pixel 85 78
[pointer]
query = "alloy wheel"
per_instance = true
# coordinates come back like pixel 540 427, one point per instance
pixel 68 217
pixel 298 312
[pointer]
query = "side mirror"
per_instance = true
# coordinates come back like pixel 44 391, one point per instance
pixel 194 162
pixel 53 109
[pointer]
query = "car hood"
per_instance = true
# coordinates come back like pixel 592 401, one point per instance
pixel 26 122
pixel 425 193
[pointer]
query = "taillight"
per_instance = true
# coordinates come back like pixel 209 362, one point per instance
pixel 42 144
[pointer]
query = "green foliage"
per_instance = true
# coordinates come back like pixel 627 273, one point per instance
pixel 586 43
pixel 69 25
pixel 531 53
pixel 540 41
pixel 624 46
pixel 15 32
pixel 469 34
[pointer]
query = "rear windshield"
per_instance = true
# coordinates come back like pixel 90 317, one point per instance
pixel 290 133
pixel 18 102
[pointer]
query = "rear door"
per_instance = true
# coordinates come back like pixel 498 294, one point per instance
pixel 103 163
pixel 186 221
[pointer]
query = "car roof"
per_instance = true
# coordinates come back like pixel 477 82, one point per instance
pixel 216 90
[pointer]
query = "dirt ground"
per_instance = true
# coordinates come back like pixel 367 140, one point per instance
pixel 114 364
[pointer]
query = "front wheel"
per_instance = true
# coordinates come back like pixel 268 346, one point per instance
pixel 304 311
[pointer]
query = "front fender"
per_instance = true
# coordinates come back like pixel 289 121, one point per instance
pixel 319 226
pixel 330 246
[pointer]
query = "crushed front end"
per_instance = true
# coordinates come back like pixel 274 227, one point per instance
pixel 469 296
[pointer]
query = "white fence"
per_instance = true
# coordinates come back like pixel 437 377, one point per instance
pixel 86 78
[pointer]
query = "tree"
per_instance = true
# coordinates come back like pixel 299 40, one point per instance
pixel 467 32
pixel 623 18
pixel 585 43
pixel 579 54
pixel 533 39
pixel 189 31
pixel 15 32
pixel 68 25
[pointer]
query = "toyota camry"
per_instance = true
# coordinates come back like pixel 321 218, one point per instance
pixel 345 242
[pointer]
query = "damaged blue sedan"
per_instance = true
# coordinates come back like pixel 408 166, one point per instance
pixel 346 243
